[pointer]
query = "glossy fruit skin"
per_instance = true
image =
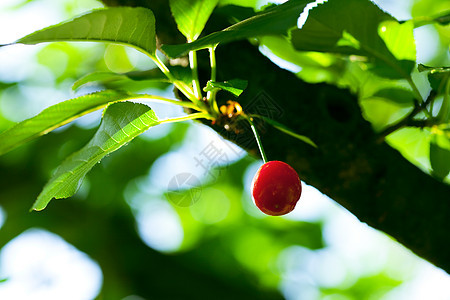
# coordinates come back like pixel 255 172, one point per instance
pixel 276 188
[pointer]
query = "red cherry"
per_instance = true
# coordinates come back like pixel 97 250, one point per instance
pixel 276 188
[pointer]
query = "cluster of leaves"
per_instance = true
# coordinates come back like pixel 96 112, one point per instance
pixel 379 48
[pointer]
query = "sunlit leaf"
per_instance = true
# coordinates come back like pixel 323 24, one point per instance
pixel 234 86
pixel 121 123
pixel 399 39
pixel 273 21
pixel 134 27
pixel 191 15
pixel 244 3
pixel 312 67
pixel 56 116
pixel 383 112
pixel 350 27
pixel 365 286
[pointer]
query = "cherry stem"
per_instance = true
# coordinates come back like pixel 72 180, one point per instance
pixel 258 138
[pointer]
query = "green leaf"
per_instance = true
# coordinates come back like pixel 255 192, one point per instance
pixel 5 85
pixel 234 13
pixel 234 86
pixel 351 27
pixel 399 96
pixel 145 78
pixel 285 129
pixel 56 116
pixel 273 21
pixel 121 123
pixel 399 39
pixel 444 111
pixel 313 67
pixel 441 19
pixel 191 15
pixel 444 19
pixel 108 77
pixel 440 153
pixel 437 77
pixel 423 68
pixel 243 3
pixel 131 26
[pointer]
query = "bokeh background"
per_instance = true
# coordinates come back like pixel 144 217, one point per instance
pixel 163 218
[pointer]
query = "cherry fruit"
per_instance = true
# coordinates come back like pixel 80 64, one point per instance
pixel 276 188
